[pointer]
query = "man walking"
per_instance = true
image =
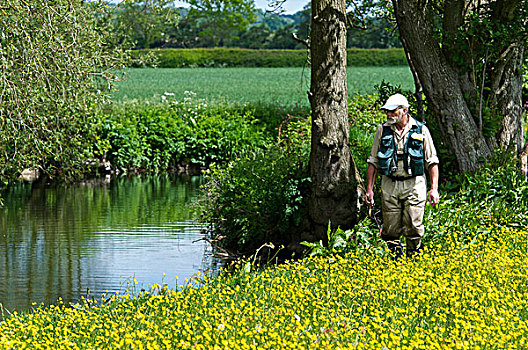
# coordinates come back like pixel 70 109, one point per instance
pixel 401 151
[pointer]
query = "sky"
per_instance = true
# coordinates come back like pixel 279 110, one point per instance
pixel 290 6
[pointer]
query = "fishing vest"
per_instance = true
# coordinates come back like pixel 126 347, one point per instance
pixel 413 154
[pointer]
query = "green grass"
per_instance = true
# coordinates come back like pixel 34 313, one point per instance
pixel 284 86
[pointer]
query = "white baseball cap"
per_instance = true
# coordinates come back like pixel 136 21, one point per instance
pixel 395 101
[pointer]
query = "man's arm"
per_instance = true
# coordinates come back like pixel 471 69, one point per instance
pixel 372 172
pixel 434 197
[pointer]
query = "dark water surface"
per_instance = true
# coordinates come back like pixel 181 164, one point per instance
pixel 71 241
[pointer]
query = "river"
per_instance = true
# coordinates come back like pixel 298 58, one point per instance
pixel 82 240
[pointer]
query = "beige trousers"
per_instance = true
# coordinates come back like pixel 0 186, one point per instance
pixel 403 204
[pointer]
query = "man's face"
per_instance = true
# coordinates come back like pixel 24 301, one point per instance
pixel 395 116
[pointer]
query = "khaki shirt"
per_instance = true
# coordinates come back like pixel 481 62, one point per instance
pixel 400 139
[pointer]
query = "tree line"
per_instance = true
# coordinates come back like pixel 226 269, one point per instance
pixel 233 23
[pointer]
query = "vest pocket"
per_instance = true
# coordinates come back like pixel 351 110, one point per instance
pixel 386 155
pixel 417 163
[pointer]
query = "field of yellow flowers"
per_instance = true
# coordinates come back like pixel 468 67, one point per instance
pixel 463 294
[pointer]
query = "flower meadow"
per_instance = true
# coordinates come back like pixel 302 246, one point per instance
pixel 461 294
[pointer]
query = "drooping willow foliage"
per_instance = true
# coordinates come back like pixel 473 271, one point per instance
pixel 57 62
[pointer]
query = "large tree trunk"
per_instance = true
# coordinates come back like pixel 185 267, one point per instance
pixel 452 92
pixel 441 85
pixel 334 195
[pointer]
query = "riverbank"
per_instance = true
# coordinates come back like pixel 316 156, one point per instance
pixel 467 290
pixel 171 135
pixel 449 298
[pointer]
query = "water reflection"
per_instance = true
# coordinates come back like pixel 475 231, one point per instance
pixel 66 241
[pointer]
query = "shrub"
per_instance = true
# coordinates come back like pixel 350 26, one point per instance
pixel 364 119
pixel 233 57
pixel 177 133
pixel 376 57
pixel 56 61
pixel 259 198
pixel 226 57
pixel 497 193
pixel 497 180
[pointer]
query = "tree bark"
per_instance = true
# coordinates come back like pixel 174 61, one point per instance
pixel 441 85
pixel 451 90
pixel 507 97
pixel 523 160
pixel 418 91
pixel 334 193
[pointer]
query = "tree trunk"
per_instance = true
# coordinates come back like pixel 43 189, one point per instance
pixel 441 85
pixel 418 91
pixel 523 160
pixel 451 91
pixel 506 86
pixel 334 193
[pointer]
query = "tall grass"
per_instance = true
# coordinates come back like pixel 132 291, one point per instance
pixel 272 86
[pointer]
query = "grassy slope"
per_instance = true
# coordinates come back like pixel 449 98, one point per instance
pixel 285 86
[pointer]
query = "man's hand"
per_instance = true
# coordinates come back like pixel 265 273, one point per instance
pixel 372 172
pixel 434 197
pixel 369 198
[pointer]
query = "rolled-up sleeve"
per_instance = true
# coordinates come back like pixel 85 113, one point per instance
pixel 373 158
pixel 430 155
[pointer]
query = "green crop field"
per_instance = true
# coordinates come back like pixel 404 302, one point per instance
pixel 284 86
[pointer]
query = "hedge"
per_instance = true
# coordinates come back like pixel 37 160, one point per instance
pixel 234 57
